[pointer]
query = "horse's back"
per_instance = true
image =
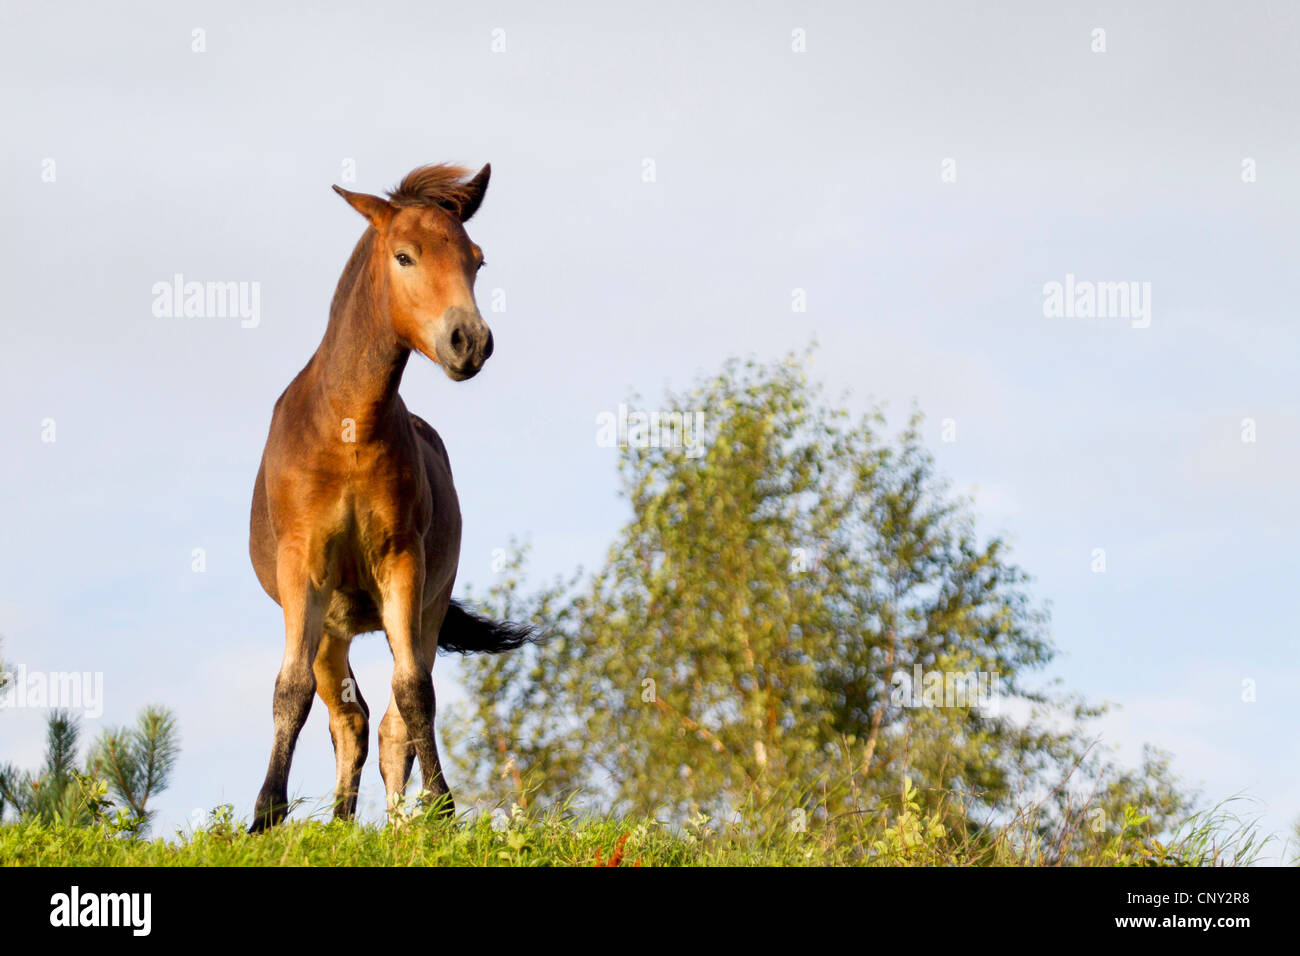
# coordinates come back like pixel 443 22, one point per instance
pixel 261 537
pixel 431 438
pixel 442 539
pixel 261 533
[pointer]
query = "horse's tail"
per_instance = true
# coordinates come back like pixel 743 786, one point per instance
pixel 464 632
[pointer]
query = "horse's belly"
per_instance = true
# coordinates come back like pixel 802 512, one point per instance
pixel 352 611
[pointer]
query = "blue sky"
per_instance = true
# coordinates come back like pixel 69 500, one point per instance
pixel 775 170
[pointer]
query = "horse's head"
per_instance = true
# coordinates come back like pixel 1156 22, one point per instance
pixel 426 264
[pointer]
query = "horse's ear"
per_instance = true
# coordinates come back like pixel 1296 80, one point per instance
pixel 375 210
pixel 477 188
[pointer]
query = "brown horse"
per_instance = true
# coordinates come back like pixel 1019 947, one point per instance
pixel 355 523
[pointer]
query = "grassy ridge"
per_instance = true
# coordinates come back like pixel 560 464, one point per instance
pixel 907 838
pixel 422 843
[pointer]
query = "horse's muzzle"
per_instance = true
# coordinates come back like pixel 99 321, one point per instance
pixel 464 345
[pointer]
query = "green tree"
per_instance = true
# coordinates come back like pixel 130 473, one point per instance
pixel 53 794
pixel 137 762
pixel 750 638
pixel 8 774
pixel 134 764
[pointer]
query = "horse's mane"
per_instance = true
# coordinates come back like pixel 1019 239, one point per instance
pixel 438 185
pixel 351 272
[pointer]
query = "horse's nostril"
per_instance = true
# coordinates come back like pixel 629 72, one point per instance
pixel 487 349
pixel 457 341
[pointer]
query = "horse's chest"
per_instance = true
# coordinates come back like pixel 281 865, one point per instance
pixel 380 517
pixel 390 497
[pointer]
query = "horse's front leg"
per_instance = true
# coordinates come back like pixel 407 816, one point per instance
pixel 304 605
pixel 402 591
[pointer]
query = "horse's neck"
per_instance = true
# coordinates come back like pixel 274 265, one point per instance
pixel 359 361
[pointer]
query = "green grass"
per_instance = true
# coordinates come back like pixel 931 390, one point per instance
pixel 906 837
pixel 553 842
pixel 903 834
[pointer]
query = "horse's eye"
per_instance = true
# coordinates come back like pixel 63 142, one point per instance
pixel 482 263
pixel 404 260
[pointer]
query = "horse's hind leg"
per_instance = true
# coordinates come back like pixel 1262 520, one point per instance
pixel 349 719
pixel 397 756
pixel 434 781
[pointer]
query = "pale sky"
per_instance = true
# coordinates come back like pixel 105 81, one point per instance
pixel 130 157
